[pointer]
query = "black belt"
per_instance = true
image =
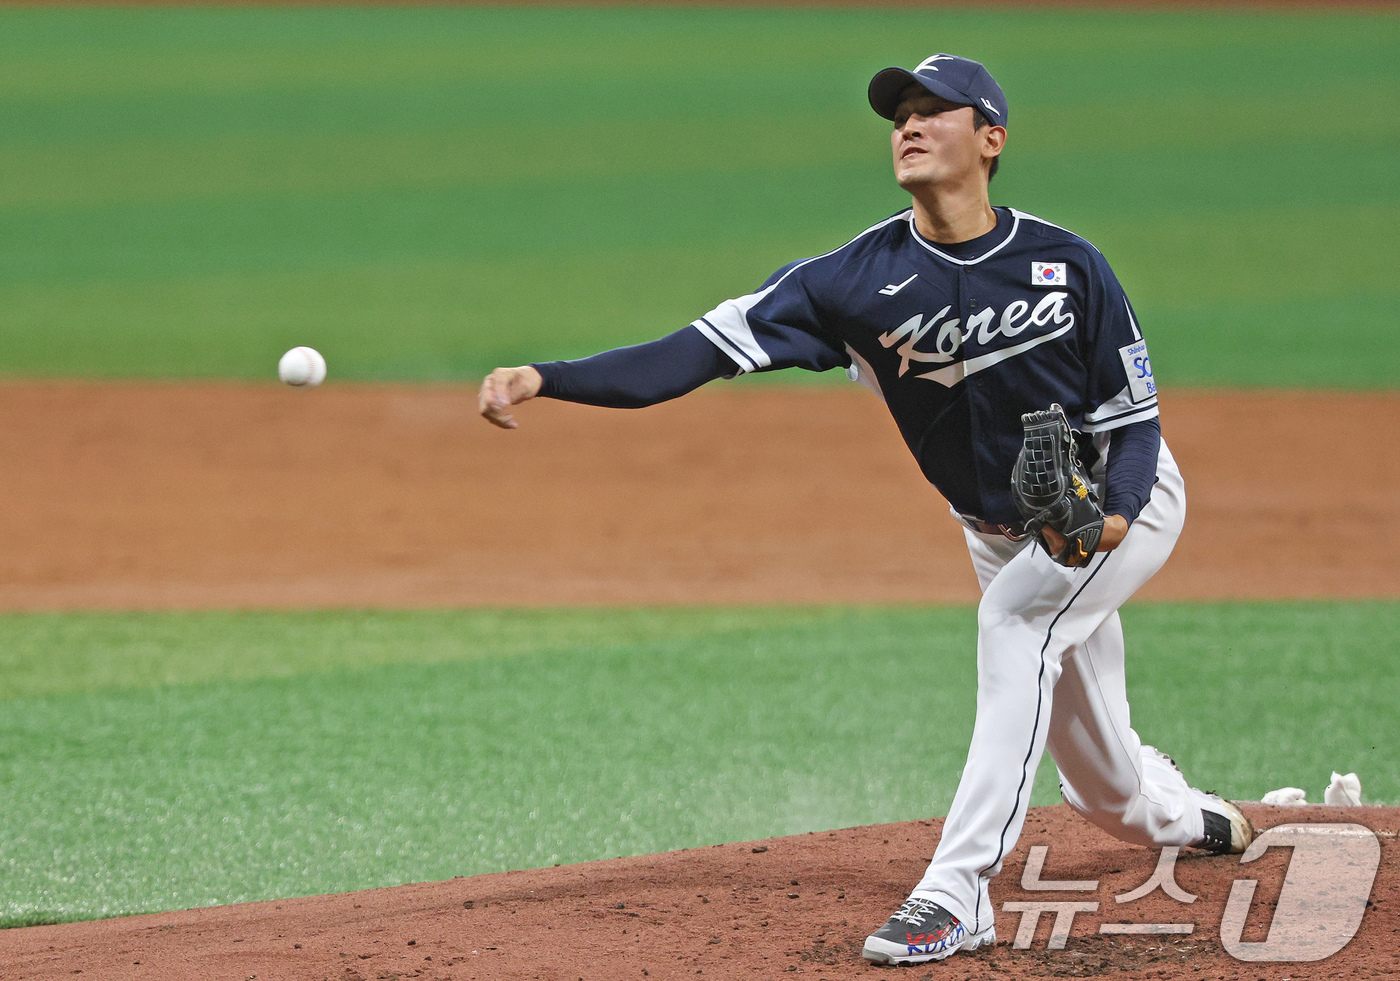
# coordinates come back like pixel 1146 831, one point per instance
pixel 1015 532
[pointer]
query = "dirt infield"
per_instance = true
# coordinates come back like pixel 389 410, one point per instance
pixel 799 905
pixel 203 496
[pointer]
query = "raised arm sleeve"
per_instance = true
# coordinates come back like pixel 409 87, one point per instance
pixel 777 327
pixel 1132 467
pixel 640 375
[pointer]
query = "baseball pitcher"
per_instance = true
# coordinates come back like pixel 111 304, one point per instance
pixel 1016 371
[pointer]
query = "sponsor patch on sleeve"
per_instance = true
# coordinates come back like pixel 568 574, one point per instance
pixel 1139 368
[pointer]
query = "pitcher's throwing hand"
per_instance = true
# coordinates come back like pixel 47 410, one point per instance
pixel 503 388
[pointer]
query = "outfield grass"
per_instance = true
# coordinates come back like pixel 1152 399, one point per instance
pixel 425 193
pixel 159 761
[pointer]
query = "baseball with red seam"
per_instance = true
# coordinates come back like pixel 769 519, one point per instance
pixel 302 367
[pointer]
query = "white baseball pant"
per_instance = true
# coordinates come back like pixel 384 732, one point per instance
pixel 1050 675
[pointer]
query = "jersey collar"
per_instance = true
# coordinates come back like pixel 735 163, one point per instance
pixel 997 239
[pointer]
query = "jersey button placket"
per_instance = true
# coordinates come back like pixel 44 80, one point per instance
pixel 983 415
pixel 965 305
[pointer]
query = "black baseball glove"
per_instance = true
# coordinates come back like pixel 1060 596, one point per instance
pixel 1052 490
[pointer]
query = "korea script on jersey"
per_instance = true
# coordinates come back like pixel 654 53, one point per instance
pixel 951 336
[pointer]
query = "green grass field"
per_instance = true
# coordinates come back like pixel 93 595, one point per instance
pixel 161 761
pixel 425 193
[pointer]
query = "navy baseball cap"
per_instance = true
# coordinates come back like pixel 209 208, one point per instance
pixel 959 80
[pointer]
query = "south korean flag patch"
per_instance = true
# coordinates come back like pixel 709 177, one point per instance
pixel 1048 274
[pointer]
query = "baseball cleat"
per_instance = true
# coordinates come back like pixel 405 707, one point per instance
pixel 1228 831
pixel 922 931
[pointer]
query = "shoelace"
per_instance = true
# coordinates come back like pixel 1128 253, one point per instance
pixel 914 910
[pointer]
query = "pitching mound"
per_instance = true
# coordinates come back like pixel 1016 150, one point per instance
pixel 216 495
pixel 799 905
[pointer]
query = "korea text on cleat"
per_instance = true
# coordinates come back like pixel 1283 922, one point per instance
pixel 920 931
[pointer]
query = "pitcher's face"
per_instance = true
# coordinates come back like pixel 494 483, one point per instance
pixel 935 141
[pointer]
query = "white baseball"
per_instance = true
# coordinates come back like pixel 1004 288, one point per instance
pixel 303 367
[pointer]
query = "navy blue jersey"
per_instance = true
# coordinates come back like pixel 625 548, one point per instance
pixel 958 340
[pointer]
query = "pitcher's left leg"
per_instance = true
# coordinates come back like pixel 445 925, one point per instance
pixel 1018 666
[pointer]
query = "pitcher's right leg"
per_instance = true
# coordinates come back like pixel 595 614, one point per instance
pixel 1106 774
pixel 1132 791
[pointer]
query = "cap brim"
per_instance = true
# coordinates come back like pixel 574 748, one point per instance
pixel 887 86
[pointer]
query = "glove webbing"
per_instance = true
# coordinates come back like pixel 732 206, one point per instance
pixel 1047 462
